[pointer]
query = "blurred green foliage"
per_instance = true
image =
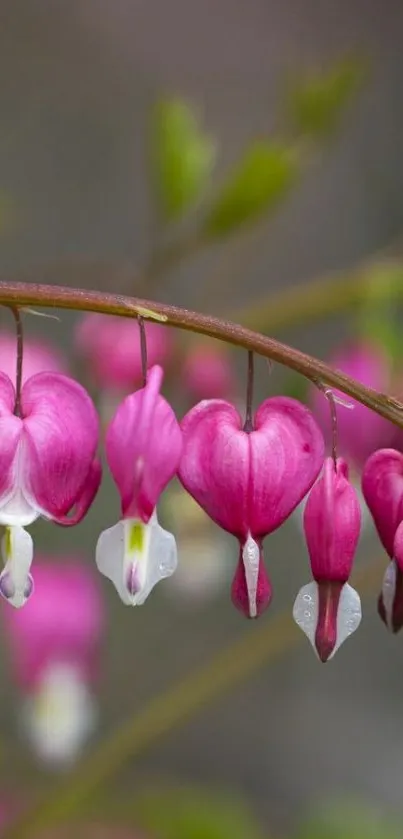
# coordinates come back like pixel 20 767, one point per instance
pixel 260 180
pixel 182 157
pixel 378 317
pixel 315 104
pixel 188 813
pixel 347 820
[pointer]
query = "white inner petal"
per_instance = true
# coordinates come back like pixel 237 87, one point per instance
pixel 61 714
pixel 135 556
pixel 388 592
pixel 17 551
pixel 18 509
pixel 250 558
pixel 305 613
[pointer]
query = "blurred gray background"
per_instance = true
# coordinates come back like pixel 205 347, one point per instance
pixel 77 82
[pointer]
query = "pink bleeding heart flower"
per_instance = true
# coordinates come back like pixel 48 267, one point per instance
pixel 143 449
pixel 38 357
pixel 54 646
pixel 207 373
pixel 250 482
pixel 360 431
pixel 329 609
pixel 48 467
pixel 382 486
pixel 111 348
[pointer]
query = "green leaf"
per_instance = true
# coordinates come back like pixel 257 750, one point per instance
pixel 261 179
pixel 192 814
pixel 316 104
pixel 182 157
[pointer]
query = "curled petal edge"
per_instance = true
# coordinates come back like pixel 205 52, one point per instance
pixel 85 500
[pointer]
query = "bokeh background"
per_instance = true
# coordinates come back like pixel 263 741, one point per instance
pixel 79 152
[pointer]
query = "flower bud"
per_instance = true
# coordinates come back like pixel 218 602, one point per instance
pixel 329 610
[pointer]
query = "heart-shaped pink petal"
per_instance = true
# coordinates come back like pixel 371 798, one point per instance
pixel 250 482
pixel 382 486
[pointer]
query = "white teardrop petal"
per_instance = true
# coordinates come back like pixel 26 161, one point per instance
pixel 250 558
pixel 348 615
pixel 305 611
pixel 306 608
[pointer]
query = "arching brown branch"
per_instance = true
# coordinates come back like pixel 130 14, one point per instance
pixel 26 294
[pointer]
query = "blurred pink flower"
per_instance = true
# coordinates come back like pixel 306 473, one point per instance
pixel 111 348
pixel 62 624
pixel 208 374
pixel 39 357
pixel 54 645
pixel 360 430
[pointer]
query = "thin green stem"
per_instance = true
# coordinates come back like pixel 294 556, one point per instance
pixel 25 294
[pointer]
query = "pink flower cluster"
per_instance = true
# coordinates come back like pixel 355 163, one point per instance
pixel 247 478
